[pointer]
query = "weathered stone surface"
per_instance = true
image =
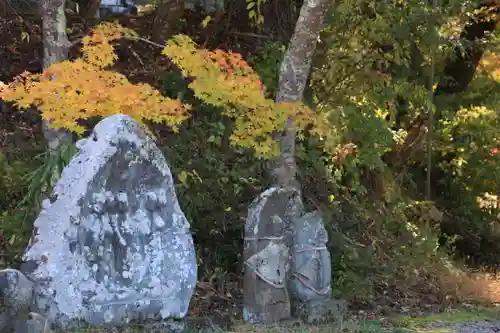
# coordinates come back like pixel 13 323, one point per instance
pixel 287 262
pixel 266 255
pixel 32 323
pixel 16 293
pixel 310 271
pixel 113 246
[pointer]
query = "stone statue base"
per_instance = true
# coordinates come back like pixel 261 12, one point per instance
pixel 319 311
pixel 312 312
pixel 266 315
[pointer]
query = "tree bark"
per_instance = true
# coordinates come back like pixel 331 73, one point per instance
pixel 294 73
pixel 269 221
pixel 458 73
pixel 91 9
pixel 167 14
pixel 55 49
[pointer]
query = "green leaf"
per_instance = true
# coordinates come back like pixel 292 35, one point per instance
pixel 183 177
pixel 206 21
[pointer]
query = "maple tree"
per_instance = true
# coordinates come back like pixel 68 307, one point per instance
pixel 225 80
pixel 79 89
pixel 70 91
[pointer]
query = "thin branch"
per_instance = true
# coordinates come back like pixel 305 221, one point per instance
pixel 136 55
pixel 147 41
pixel 430 119
pixel 249 34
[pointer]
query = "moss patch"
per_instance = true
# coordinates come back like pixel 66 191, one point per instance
pixel 449 317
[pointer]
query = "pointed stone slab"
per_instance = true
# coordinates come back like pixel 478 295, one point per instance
pixel 113 246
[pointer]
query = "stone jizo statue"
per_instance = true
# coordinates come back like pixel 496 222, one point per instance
pixel 287 264
pixel 266 257
pixel 310 273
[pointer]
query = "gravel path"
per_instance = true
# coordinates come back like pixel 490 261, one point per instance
pixel 478 326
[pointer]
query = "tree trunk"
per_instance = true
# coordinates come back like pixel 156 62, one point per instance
pixel 91 9
pixel 269 226
pixel 3 10
pixel 458 73
pixel 167 14
pixel 294 73
pixel 55 49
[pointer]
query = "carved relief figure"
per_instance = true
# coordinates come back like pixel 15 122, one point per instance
pixel 113 246
pixel 267 258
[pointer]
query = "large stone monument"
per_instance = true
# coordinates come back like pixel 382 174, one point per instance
pixel 112 246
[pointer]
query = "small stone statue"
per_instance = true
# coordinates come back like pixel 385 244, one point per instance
pixel 16 297
pixel 310 272
pixel 267 258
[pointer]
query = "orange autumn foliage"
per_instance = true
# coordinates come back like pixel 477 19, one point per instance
pixel 79 89
pixel 73 90
pixel 225 79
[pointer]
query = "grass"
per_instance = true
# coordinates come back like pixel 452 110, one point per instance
pixel 442 322
pixel 240 328
pixel 404 324
pixel 251 329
